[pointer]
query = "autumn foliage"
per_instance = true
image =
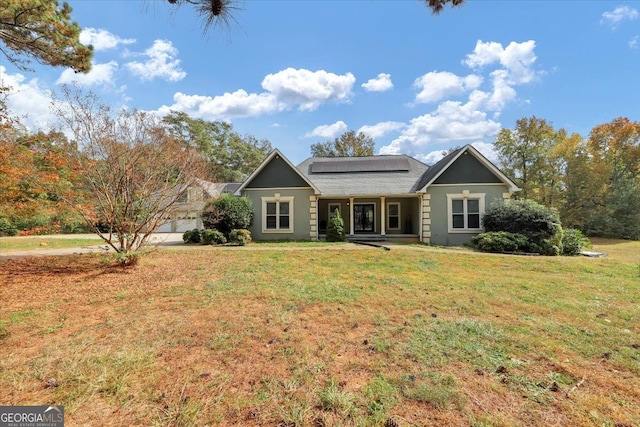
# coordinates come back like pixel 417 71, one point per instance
pixel 594 182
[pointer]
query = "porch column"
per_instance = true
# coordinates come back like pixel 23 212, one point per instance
pixel 313 218
pixel 426 218
pixel 382 216
pixel 351 227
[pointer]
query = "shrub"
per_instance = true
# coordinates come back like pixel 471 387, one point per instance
pixel 335 228
pixel 500 241
pixel 227 213
pixel 192 236
pixel 213 237
pixel 240 237
pixel 7 228
pixel 573 241
pixel 539 224
pixel 127 258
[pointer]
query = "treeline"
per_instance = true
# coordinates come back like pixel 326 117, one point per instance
pixel 48 182
pixel 593 182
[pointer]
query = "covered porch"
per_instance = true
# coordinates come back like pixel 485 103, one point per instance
pixel 373 218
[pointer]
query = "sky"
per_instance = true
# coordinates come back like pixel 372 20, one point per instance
pixel 302 72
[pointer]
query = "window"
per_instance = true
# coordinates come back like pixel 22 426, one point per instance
pixel 277 214
pixel 393 216
pixel 465 211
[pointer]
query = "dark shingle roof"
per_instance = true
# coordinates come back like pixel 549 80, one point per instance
pixel 434 170
pixel 341 176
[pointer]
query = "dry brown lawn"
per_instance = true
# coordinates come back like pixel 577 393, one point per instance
pixel 327 337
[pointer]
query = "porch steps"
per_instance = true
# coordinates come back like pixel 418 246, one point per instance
pixel 371 238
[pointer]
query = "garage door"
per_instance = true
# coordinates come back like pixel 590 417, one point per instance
pixel 186 222
pixel 164 228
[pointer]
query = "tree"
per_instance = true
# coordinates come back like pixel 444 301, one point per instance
pixel 231 157
pixel 220 13
pixel 227 213
pixel 347 145
pixel 133 168
pixel 34 169
pixel 437 5
pixel 41 30
pixel 528 154
pixel 613 150
pixel 578 184
pixel 335 228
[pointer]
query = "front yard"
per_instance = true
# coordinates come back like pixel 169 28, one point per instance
pixel 333 337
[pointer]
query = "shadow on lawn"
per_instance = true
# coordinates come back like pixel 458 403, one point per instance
pixel 76 264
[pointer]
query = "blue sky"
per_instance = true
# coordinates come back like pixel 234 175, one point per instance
pixel 301 72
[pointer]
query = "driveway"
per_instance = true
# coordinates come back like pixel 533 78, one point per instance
pixel 159 239
pixel 163 240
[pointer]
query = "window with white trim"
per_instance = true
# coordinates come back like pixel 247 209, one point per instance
pixel 393 216
pixel 277 214
pixel 465 212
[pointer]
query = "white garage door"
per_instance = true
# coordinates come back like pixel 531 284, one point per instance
pixel 164 228
pixel 186 222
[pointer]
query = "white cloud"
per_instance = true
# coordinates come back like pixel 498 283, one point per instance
pixel 100 74
pixel 161 63
pixel 284 90
pixel 488 150
pixel 615 17
pixel 328 131
pixel 27 100
pixel 437 85
pixel 308 89
pixel 474 120
pixel 633 43
pixel 381 129
pixel 485 148
pixel 223 107
pixel 102 39
pixel 517 59
pixel 379 84
pixel 431 158
pixel 451 122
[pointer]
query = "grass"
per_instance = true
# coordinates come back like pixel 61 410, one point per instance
pixel 333 337
pixel 296 244
pixel 8 244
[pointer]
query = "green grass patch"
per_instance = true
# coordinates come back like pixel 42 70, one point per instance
pixel 8 244
pixel 327 337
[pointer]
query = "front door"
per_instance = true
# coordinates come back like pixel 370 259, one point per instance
pixel 364 218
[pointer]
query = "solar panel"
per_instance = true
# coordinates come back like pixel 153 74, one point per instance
pixel 356 165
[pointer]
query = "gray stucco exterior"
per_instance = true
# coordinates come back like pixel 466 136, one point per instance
pixel 301 220
pixel 442 204
pixel 440 232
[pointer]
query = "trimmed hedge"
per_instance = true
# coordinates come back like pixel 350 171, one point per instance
pixel 573 241
pixel 240 237
pixel 528 227
pixel 500 241
pixel 192 236
pixel 213 237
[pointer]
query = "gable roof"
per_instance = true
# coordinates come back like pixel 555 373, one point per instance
pixel 440 167
pixel 215 189
pixel 369 175
pixel 274 154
